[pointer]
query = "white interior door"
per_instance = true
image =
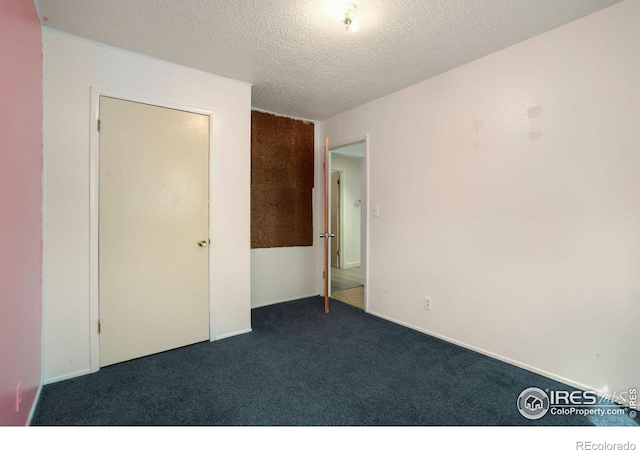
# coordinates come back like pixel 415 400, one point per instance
pixel 153 211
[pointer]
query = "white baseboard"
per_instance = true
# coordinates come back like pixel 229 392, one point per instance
pixel 275 302
pixel 521 365
pixel 82 372
pixel 352 265
pixel 235 333
pixel 67 376
pixel 34 405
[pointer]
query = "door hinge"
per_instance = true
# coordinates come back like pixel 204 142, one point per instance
pixel 338 181
pixel 99 125
pixel 323 274
pixel 98 327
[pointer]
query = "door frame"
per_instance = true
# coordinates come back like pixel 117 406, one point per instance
pixel 365 218
pixel 340 221
pixel 94 207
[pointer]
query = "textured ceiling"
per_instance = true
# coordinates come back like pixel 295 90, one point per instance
pixel 300 61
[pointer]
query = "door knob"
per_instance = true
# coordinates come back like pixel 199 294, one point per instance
pixel 202 242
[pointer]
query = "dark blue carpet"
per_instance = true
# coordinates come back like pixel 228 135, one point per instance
pixel 300 367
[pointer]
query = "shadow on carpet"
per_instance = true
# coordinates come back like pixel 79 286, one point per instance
pixel 300 367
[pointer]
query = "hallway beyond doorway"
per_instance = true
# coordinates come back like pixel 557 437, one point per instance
pixel 342 279
pixel 346 287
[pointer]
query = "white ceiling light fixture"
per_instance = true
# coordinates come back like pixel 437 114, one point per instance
pixel 349 18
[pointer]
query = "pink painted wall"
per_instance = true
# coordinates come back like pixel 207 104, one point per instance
pixel 20 207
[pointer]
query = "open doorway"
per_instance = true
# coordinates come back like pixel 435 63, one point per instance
pixel 347 222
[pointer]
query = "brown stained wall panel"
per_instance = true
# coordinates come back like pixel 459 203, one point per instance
pixel 281 181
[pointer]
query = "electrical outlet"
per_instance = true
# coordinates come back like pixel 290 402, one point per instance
pixel 18 396
pixel 427 303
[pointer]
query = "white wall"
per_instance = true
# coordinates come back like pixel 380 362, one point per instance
pixel 509 192
pixel 283 274
pixel 351 184
pixel 71 67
